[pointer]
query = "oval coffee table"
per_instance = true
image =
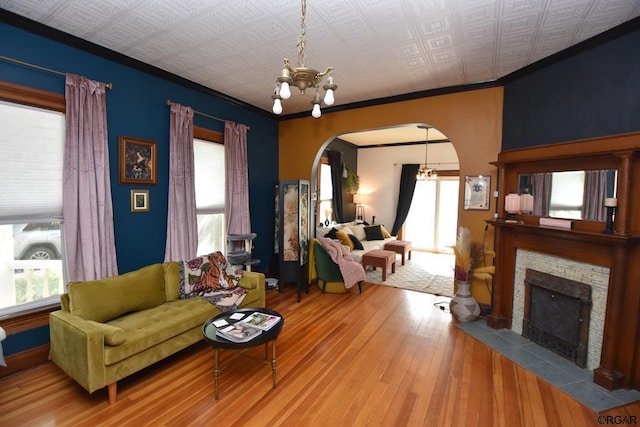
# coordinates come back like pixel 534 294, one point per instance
pixel 209 332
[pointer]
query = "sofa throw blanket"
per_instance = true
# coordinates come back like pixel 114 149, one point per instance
pixel 352 271
pixel 212 278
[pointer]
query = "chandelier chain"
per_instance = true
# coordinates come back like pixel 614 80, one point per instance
pixel 302 39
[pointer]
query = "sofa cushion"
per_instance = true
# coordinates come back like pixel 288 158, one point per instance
pixel 171 280
pixel 344 239
pixel 112 334
pixel 106 299
pixel 357 244
pixel 148 328
pixel 373 232
pixel 385 233
pixel 358 231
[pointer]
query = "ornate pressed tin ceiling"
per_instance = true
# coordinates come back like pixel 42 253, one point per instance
pixel 377 48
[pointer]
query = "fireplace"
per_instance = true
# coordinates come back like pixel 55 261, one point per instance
pixel 556 314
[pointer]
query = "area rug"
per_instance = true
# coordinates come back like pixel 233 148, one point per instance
pixel 425 272
pixel 557 371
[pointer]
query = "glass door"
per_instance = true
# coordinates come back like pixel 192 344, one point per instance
pixel 432 221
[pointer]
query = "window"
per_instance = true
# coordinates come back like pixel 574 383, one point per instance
pixel 210 190
pixel 326 191
pixel 31 250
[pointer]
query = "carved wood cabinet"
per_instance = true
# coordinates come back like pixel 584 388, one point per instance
pixel 584 242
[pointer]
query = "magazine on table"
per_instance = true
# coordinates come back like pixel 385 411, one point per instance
pixel 238 332
pixel 261 320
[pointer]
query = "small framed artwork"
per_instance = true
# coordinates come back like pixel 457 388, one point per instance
pixel 136 161
pixel 139 200
pixel 477 190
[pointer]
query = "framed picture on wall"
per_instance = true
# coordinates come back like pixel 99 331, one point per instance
pixel 477 189
pixel 136 161
pixel 139 200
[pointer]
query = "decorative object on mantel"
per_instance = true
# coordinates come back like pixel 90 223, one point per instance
pixel 556 222
pixel 610 204
pixel 303 78
pixel 469 255
pixel 512 205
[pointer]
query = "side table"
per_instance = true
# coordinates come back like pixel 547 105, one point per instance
pixel 209 332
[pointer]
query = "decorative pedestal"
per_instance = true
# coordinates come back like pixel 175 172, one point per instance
pixel 463 305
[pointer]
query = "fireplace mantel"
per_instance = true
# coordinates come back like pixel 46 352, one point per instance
pixel 585 242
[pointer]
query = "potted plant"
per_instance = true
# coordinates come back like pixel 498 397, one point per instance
pixel 352 183
pixel 469 264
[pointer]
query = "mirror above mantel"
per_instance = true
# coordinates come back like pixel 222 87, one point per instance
pixel 570 194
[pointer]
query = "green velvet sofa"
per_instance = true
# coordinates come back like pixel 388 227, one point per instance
pixel 108 329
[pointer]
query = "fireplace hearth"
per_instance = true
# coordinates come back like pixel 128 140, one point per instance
pixel 556 314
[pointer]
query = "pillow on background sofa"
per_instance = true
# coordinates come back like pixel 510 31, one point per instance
pixel 374 232
pixel 344 239
pixel 357 244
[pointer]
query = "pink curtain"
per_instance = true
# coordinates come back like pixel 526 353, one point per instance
pixel 90 251
pixel 236 206
pixel 182 226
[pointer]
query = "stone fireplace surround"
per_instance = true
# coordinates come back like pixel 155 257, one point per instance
pixel 593 275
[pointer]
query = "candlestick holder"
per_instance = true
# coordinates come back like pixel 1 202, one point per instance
pixel 609 224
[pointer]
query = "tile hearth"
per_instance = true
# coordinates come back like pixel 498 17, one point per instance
pixel 559 372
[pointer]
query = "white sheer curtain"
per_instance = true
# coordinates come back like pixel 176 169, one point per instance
pixel 182 225
pixel 89 240
pixel 236 208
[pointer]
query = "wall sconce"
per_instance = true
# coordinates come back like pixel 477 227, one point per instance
pixel 512 204
pixel 359 199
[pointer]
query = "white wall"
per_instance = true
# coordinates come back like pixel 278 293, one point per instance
pixel 379 171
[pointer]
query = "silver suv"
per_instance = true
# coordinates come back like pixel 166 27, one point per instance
pixel 37 241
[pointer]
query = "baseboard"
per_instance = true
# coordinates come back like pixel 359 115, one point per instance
pixel 25 360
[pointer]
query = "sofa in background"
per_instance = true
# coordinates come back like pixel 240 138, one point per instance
pixel 370 236
pixel 108 329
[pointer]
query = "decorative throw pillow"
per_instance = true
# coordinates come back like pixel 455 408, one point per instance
pixel 373 232
pixel 358 231
pixel 357 244
pixel 331 234
pixel 344 239
pixel 209 273
pixel 385 233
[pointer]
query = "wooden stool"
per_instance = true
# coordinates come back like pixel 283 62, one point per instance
pixel 402 247
pixel 382 259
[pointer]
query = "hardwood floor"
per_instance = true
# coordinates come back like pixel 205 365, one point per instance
pixel 387 357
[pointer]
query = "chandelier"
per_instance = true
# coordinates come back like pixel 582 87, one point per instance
pixel 426 173
pixel 303 78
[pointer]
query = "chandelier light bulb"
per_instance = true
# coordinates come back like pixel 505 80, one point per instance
pixel 285 92
pixel 316 111
pixel 277 106
pixel 328 97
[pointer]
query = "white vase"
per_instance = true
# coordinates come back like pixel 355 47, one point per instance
pixel 463 305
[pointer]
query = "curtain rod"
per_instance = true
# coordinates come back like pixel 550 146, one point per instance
pixel 37 67
pixel 204 114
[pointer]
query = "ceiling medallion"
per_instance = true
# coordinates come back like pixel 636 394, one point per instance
pixel 303 78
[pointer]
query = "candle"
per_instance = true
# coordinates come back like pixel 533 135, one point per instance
pixel 611 202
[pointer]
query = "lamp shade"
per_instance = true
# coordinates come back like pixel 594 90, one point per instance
pixel 359 199
pixel 512 203
pixel 526 203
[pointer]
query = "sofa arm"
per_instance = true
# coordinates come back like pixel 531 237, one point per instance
pixel 252 280
pixel 77 347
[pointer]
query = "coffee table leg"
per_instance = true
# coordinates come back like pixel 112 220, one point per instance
pixel 216 372
pixel 273 363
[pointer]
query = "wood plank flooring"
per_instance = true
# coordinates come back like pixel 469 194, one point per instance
pixel 387 357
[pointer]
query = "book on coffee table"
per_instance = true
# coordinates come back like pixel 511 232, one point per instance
pixel 238 332
pixel 261 321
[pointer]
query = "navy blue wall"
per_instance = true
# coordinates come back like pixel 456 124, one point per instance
pixel 136 107
pixel 593 93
